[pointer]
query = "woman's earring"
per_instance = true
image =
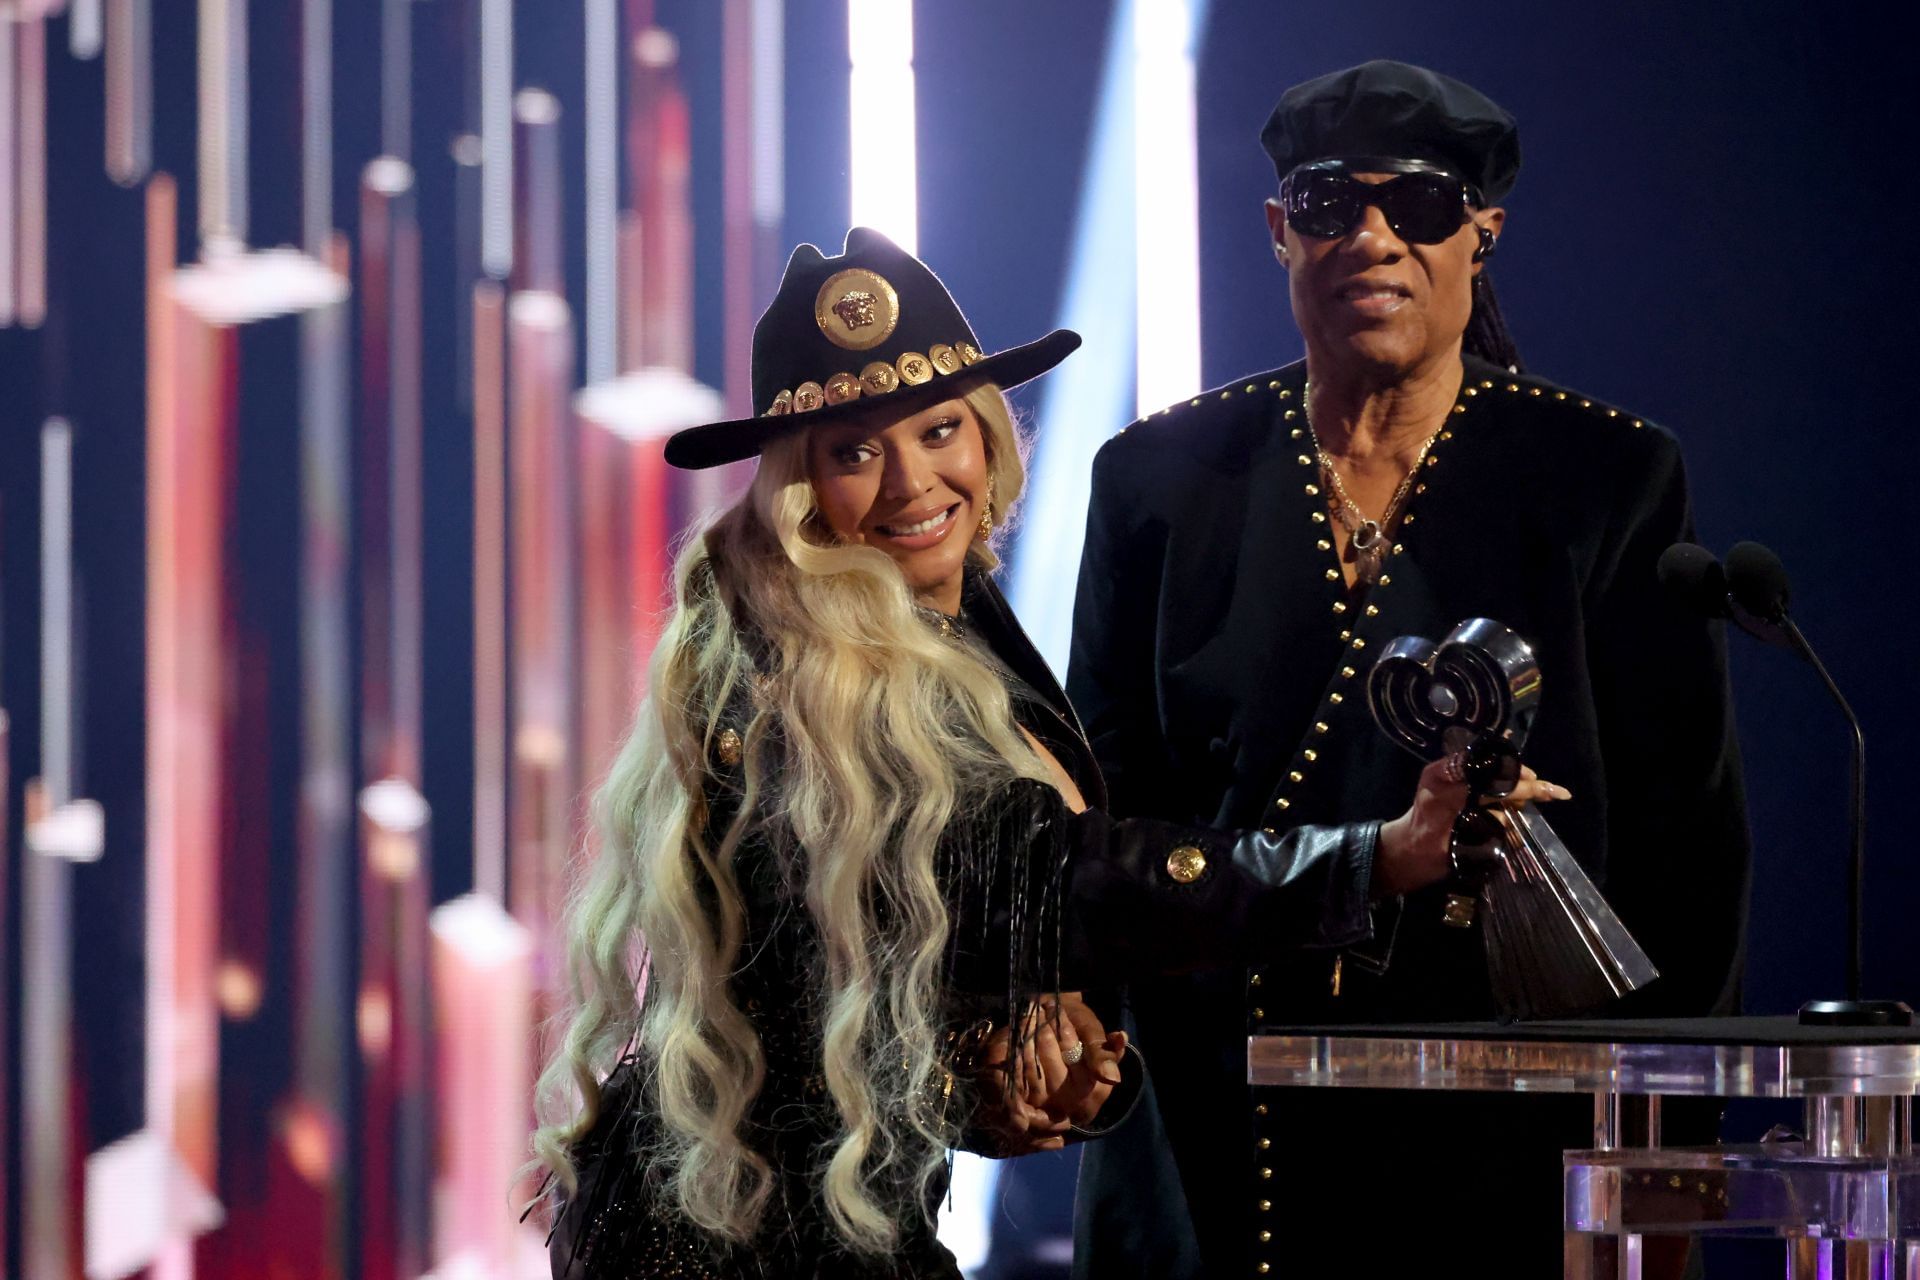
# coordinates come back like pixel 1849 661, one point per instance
pixel 1280 253
pixel 986 515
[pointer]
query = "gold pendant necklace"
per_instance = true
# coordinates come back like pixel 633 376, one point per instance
pixel 1367 537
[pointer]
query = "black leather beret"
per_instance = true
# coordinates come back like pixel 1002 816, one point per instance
pixel 1391 110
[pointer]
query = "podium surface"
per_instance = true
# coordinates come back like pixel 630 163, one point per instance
pixel 1844 1195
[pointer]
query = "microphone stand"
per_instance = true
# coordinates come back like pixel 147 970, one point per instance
pixel 1853 1011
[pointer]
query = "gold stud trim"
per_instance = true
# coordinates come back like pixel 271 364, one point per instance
pixel 914 369
pixel 877 378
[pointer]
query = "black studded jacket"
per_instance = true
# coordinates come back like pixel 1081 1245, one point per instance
pixel 1040 899
pixel 1219 660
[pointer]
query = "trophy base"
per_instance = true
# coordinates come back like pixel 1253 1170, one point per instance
pixel 1856 1013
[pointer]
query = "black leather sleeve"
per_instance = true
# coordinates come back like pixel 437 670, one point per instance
pixel 1147 897
pixel 1076 901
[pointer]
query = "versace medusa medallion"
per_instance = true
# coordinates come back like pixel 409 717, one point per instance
pixel 856 309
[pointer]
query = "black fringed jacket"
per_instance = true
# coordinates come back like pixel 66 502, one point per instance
pixel 1039 900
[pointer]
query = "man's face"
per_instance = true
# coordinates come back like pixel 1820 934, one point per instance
pixel 1370 301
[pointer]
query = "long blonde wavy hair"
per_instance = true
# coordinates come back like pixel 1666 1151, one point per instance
pixel 870 734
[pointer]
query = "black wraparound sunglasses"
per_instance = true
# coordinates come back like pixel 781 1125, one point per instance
pixel 1423 204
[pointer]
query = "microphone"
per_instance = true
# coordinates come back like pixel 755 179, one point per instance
pixel 1753 590
pixel 1692 576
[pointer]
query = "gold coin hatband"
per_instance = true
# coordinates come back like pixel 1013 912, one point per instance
pixel 912 369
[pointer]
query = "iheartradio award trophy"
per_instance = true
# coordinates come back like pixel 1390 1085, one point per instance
pixel 1554 947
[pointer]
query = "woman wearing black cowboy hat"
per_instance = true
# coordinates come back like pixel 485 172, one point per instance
pixel 853 852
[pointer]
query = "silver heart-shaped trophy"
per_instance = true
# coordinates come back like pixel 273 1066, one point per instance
pixel 1554 946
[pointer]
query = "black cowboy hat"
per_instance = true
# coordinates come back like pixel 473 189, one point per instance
pixel 844 335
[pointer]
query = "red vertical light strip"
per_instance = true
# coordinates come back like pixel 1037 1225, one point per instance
pixel 194 464
pixel 545 780
pixel 166 712
pixel 543 533
pixel 391 1008
pixel 629 255
pixel 32 253
pixel 9 176
pixel 489 592
pixel 409 571
pixel 650 563
pixel 317 1119
pixel 607 511
pixel 373 473
pixel 484 996
pixel 129 75
pixel 660 156
pixel 736 202
pixel 538 185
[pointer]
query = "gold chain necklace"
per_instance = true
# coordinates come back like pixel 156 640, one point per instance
pixel 1367 537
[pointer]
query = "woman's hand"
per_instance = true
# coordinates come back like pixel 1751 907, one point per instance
pixel 1074 1091
pixel 1020 1127
pixel 1046 1095
pixel 1416 848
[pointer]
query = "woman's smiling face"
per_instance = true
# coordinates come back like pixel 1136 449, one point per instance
pixel 915 487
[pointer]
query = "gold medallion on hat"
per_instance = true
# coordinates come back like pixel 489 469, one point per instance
pixel 856 309
pixel 807 397
pixel 842 387
pixel 945 358
pixel 969 354
pixel 782 404
pixel 913 368
pixel 879 378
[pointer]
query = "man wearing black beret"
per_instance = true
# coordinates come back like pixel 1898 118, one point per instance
pixel 1248 553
